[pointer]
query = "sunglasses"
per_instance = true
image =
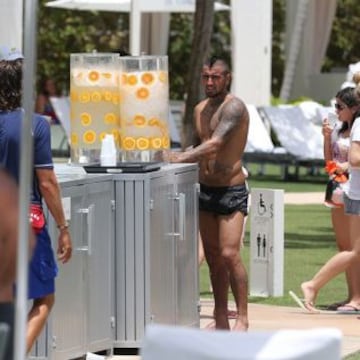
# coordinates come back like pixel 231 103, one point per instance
pixel 339 106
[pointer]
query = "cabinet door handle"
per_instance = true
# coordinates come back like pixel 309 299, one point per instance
pixel 89 213
pixel 90 227
pixel 181 199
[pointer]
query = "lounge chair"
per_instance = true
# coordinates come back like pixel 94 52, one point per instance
pixel 300 137
pixel 259 147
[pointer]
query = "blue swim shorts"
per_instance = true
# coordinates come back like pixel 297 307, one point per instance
pixel 43 268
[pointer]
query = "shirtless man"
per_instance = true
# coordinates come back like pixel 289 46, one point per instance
pixel 221 123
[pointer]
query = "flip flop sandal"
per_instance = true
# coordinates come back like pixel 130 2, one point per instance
pixel 334 306
pixel 302 304
pixel 347 309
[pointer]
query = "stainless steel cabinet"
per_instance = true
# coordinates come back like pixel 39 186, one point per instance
pixel 134 260
pixel 83 315
pixel 156 251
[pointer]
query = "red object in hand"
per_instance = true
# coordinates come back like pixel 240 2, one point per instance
pixel 331 168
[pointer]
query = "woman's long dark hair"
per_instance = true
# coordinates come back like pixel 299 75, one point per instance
pixel 348 97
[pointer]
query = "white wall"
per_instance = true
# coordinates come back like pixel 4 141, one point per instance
pixel 251 23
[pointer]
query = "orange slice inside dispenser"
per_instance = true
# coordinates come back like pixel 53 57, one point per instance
pixel 74 139
pixel 85 119
pixel 142 93
pixel 84 97
pixel 110 118
pixel 147 78
pixel 89 137
pixel 139 120
pixel 156 143
pixel 93 76
pixel 128 143
pixel 142 143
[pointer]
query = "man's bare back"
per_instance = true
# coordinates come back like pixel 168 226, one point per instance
pixel 227 121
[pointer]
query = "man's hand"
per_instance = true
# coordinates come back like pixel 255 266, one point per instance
pixel 65 247
pixel 168 156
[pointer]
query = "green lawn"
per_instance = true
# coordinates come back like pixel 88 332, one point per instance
pixel 309 242
pixel 272 179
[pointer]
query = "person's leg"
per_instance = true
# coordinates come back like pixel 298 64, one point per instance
pixel 341 227
pixel 337 264
pixel 7 316
pixel 354 268
pixel 37 318
pixel 218 273
pixel 201 255
pixel 230 232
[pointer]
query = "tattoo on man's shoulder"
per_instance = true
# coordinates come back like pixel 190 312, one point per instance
pixel 230 117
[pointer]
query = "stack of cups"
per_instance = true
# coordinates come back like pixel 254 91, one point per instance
pixel 108 151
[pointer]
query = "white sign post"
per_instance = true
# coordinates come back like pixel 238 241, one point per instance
pixel 267 242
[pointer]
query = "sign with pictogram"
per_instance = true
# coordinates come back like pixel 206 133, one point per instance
pixel 266 242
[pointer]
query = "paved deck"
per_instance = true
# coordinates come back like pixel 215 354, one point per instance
pixel 272 318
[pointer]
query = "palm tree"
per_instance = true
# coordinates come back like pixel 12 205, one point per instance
pixel 203 25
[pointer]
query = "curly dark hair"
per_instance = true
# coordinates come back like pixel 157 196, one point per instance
pixel 10 84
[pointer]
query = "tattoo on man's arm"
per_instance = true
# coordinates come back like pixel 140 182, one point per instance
pixel 230 117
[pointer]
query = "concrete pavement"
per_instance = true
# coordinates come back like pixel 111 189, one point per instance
pixel 273 318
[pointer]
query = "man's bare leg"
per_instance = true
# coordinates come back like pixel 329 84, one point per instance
pixel 230 230
pixel 218 273
pixel 37 318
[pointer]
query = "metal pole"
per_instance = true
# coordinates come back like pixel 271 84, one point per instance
pixel 26 169
pixel 135 27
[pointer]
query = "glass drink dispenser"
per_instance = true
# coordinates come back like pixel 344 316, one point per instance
pixel 94 98
pixel 144 110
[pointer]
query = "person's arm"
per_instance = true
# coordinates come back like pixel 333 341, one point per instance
pixel 230 118
pixel 50 191
pixel 9 215
pixel 354 154
pixel 8 235
pixel 326 131
pixel 354 151
pixel 40 104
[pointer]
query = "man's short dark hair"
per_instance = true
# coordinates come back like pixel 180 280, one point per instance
pixel 10 84
pixel 217 60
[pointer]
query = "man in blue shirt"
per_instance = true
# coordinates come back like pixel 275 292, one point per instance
pixel 43 268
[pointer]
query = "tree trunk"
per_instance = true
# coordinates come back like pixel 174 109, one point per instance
pixel 203 25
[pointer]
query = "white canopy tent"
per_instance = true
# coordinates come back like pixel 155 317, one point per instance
pixel 251 55
pixel 11 20
pixel 125 5
pixel 159 8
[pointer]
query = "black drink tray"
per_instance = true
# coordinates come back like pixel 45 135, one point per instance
pixel 124 167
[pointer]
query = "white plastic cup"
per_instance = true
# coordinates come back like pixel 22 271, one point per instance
pixel 332 119
pixel 108 151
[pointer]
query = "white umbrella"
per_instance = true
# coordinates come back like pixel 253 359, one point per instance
pixel 125 5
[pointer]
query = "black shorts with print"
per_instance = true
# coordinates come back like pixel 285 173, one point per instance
pixel 224 200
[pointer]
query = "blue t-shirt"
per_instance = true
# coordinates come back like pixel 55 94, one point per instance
pixel 10 139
